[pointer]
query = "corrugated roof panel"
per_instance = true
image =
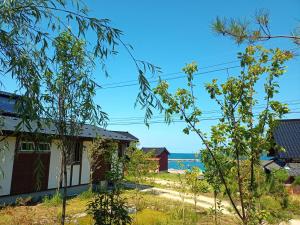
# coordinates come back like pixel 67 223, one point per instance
pixel 88 131
pixel 287 135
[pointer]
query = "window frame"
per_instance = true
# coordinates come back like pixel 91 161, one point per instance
pixel 34 145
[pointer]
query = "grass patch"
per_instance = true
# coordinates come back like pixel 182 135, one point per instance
pixel 54 200
pixel 150 217
pixel 87 194
pixel 166 176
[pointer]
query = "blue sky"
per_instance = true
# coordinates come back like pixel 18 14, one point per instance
pixel 170 34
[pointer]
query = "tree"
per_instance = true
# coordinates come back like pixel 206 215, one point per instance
pixel 212 176
pixel 100 154
pixel 108 207
pixel 196 186
pixel 27 30
pixel 241 134
pixel 138 165
pixel 243 30
pixel 68 99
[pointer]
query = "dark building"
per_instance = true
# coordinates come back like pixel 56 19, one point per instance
pixel 286 136
pixel 161 155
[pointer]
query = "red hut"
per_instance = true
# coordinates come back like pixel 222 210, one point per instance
pixel 161 155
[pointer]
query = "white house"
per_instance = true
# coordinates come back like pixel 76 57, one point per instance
pixel 28 171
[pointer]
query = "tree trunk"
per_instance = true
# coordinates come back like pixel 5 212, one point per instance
pixel 215 199
pixel 63 214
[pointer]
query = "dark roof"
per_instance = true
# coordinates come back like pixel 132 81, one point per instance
pixel 7 103
pixel 127 134
pixel 9 94
pixel 293 169
pixel 88 131
pixel 156 150
pixel 287 135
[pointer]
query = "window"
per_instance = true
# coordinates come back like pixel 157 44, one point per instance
pixel 27 146
pixel 75 156
pixel 120 150
pixel 31 146
pixel 42 146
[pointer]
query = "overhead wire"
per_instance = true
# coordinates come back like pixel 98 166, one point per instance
pixel 124 83
pixel 134 118
pixel 179 121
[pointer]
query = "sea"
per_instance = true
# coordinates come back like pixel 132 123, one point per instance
pixel 189 160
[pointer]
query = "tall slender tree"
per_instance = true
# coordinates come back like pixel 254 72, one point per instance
pixel 241 134
pixel 68 98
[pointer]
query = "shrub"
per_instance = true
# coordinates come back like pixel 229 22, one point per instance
pixel 282 175
pixel 109 209
pixel 54 200
pixel 23 201
pixel 276 213
pixel 297 181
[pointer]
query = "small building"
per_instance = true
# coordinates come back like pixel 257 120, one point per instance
pixel 287 136
pixel 31 158
pixel 161 154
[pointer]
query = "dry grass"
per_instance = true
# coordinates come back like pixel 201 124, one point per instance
pixel 153 210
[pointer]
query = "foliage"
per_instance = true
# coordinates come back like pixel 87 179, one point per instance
pixel 86 194
pixel 27 31
pixel 195 185
pixel 139 163
pixel 100 153
pixel 241 136
pixel 23 201
pixel 273 210
pixel 243 30
pixel 281 175
pixel 68 98
pixel 109 209
pixel 297 180
pixel 55 200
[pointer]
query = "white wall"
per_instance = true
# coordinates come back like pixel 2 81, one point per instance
pixel 55 163
pixel 7 152
pixel 75 177
pixel 85 172
pixel 54 167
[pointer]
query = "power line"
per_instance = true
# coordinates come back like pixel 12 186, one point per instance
pixel 173 78
pixel 168 74
pixel 179 121
pixel 259 106
pixel 119 84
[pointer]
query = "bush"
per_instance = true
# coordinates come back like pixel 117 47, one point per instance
pixel 276 213
pixel 109 209
pixel 297 181
pixel 282 175
pixel 23 201
pixel 54 200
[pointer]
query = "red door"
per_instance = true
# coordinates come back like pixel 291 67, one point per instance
pixel 30 172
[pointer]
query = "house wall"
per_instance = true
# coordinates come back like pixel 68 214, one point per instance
pixel 85 168
pixel 80 172
pixel 6 165
pixel 55 161
pixel 163 161
pixel 54 167
pixel 30 172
